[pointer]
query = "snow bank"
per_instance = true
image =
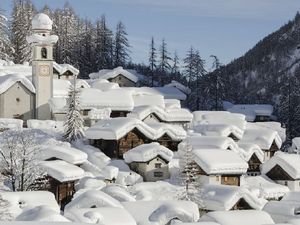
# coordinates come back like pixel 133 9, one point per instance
pixel 116 128
pixel 7 123
pixel 238 217
pixel 146 152
pixel 288 162
pixel 225 197
pixel 46 125
pixel 218 161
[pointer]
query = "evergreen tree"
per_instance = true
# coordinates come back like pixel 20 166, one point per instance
pixel 22 15
pixel 5 45
pixel 152 60
pixel 164 65
pixel 189 66
pixel 104 45
pixel 217 82
pixel 74 122
pixel 121 52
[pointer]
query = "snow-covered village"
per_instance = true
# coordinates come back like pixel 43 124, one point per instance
pixel 100 127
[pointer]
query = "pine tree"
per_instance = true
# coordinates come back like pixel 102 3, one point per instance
pixel 164 65
pixel 74 122
pixel 121 52
pixel 175 67
pixel 217 82
pixel 189 66
pixel 5 45
pixel 22 15
pixel 104 45
pixel 152 60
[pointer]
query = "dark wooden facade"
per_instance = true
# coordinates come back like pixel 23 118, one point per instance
pixel 277 173
pixel 241 205
pixel 167 141
pixel 63 191
pixel 115 114
pixel 233 137
pixel 260 118
pixel 254 165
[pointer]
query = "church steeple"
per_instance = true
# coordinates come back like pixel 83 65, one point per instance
pixel 42 63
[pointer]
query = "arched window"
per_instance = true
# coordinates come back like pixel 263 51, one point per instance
pixel 44 53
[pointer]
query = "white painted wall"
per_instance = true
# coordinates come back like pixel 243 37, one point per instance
pixel 292 185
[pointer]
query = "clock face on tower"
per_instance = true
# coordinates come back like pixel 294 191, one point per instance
pixel 44 70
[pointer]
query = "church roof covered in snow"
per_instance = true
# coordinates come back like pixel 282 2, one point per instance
pixel 7 81
pixel 116 128
pixel 263 137
pixel 290 163
pixel 165 115
pixel 146 152
pixel 217 161
pixel 109 74
pixel 41 21
pixel 225 197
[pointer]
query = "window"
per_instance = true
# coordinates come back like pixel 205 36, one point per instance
pixel 158 174
pixel 44 53
pixel 157 165
pixel 85 112
pixel 285 183
pixel 120 78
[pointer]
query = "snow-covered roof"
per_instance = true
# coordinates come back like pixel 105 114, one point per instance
pixel 250 110
pixel 217 161
pixel 264 138
pixel 239 217
pixel 276 126
pixel 115 99
pixel 165 115
pixel 93 183
pixel 62 68
pixel 68 154
pixel 248 149
pixel 116 128
pixel 290 163
pixel 148 100
pixel 172 103
pixel 11 123
pixel 41 21
pixel 225 197
pixel 46 125
pixel 265 187
pixel 119 193
pixel 109 74
pixel 104 85
pixel 146 152
pixel 162 212
pixel 296 143
pixel 62 171
pixel 179 86
pixel 9 80
pixel 223 130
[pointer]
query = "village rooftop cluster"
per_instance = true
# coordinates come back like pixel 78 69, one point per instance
pixel 140 148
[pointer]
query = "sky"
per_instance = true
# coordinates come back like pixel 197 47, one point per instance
pixel 225 28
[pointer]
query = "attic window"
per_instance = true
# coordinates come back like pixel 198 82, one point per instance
pixel 157 165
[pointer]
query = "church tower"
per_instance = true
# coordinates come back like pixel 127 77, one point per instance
pixel 42 63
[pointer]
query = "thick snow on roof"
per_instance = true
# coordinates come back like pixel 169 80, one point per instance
pixel 91 198
pixel 22 69
pixel 248 149
pixel 103 216
pixel 104 85
pixel 45 40
pixel 295 144
pixel 165 115
pixel 9 80
pixel 148 100
pixel 99 114
pixel 217 161
pixel 224 197
pixel 94 183
pixel 109 74
pixel 223 130
pixel 62 171
pixel 238 217
pixel 264 138
pixel 20 202
pixel 219 117
pixel 290 163
pixel 276 126
pixel 11 123
pixel 250 111
pixel 265 187
pixel 172 104
pixel 179 86
pixel 62 68
pixel 161 212
pixel 116 99
pixel 42 213
pixel 41 21
pixel 146 152
pixel 119 193
pixel 68 154
pixel 37 223
pixel 116 128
